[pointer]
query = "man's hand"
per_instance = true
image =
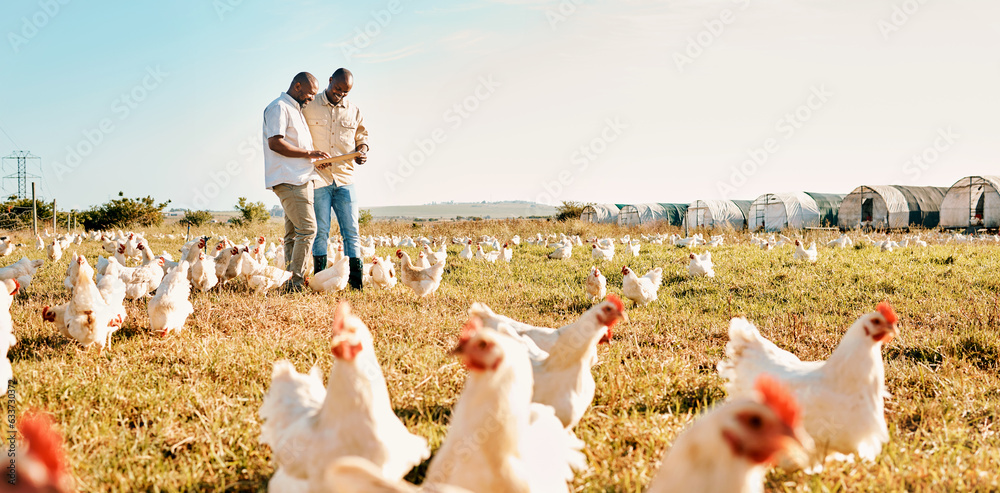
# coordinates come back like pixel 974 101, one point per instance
pixel 316 155
pixel 363 149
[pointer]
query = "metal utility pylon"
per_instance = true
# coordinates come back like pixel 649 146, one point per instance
pixel 22 175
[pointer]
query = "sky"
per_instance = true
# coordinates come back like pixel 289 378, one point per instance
pixel 626 101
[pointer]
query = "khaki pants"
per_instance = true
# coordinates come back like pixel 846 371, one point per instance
pixel 300 227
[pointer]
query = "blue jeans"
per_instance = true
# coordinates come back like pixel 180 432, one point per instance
pixel 341 200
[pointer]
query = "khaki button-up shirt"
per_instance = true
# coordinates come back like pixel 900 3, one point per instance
pixel 336 129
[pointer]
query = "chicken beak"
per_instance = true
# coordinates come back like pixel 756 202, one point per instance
pixel 891 334
pixel 625 317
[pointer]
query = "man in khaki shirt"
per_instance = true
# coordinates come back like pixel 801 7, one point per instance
pixel 337 128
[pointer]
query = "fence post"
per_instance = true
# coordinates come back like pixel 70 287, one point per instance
pixel 54 214
pixel 34 211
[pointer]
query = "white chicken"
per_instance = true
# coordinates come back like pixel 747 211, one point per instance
pixel 359 475
pixel 807 254
pixel 112 290
pixel 260 277
pixel 602 253
pixel 490 257
pixel 54 250
pixel 423 282
pixel 7 338
pixel 22 267
pixel 88 318
pixel 563 251
pixel 202 271
pixel 331 279
pixel 597 285
pixel 526 449
pixel 382 273
pixel 191 249
pixel 506 254
pixel 841 398
pixel 438 256
pixel 561 358
pixel 729 448
pixel 843 241
pixel 701 265
pixel 641 290
pixel 466 253
pixel 170 307
pixel 633 247
pixel 7 247
pixel 142 280
pixel 366 248
pixel 422 261
pixel 308 426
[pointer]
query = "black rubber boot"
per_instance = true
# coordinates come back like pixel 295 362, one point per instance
pixel 355 278
pixel 319 263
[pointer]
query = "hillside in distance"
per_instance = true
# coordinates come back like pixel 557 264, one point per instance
pixel 451 210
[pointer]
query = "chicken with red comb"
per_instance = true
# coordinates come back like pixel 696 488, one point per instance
pixel 729 448
pixel 562 358
pixel 842 398
pixel 40 459
pixel 641 290
pixel 308 425
pixel 424 281
pixel 524 447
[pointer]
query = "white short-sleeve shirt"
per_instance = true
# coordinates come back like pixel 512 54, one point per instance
pixel 284 117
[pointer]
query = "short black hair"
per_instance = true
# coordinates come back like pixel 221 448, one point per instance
pixel 304 78
pixel 342 74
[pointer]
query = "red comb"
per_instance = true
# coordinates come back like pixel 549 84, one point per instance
pixel 777 397
pixel 469 329
pixel 616 301
pixel 886 310
pixel 46 444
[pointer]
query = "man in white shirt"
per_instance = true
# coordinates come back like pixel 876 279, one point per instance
pixel 338 128
pixel 289 172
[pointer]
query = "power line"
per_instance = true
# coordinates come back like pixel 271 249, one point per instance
pixel 11 139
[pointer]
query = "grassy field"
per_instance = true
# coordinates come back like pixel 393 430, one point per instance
pixel 180 413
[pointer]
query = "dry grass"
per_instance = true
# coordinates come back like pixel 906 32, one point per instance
pixel 180 414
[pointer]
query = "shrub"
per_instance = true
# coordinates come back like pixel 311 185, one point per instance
pixel 196 218
pixel 250 213
pixel 15 213
pixel 364 217
pixel 569 210
pixel 123 213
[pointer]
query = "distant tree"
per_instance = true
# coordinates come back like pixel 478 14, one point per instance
pixel 364 217
pixel 123 213
pixel 196 218
pixel 570 210
pixel 250 213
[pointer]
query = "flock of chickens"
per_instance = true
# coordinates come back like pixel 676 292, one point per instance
pixel 512 428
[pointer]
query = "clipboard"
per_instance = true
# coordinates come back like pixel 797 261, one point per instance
pixel 337 159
